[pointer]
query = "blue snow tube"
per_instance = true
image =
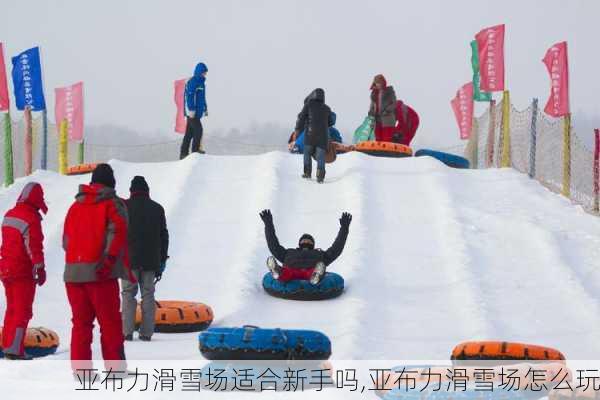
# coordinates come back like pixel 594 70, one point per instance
pixel 253 343
pixel 451 160
pixel 331 286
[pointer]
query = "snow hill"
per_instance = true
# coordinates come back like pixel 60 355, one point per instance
pixel 435 255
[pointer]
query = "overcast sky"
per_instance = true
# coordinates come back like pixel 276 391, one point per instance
pixel 264 56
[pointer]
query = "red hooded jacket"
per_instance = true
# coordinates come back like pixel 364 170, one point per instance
pixel 95 228
pixel 22 249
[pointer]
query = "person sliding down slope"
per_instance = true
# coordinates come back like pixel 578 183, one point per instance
pixel 304 262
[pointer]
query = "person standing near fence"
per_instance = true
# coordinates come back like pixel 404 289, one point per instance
pixel 383 108
pixel 194 108
pixel 21 266
pixel 148 239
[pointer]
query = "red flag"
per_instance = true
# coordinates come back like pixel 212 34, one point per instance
pixel 180 121
pixel 490 43
pixel 558 67
pixel 69 106
pixel 462 105
pixel 4 99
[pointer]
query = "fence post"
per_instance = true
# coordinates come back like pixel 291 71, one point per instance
pixel 63 150
pixel 533 142
pixel 506 130
pixel 28 141
pixel 596 170
pixel 475 150
pixel 566 189
pixel 81 152
pixel 9 177
pixel 44 154
pixel 491 136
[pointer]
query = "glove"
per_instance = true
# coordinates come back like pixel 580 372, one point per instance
pixel 191 114
pixel 266 216
pixel 105 271
pixel 39 274
pixel 345 220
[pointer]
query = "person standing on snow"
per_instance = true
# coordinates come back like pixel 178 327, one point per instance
pixel 21 266
pixel 95 244
pixel 194 109
pixel 148 248
pixel 383 109
pixel 315 119
pixel 304 262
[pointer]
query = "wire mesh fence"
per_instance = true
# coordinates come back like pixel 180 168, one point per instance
pixel 541 147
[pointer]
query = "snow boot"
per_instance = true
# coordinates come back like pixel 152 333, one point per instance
pixel 129 338
pixel 145 338
pixel 273 267
pixel 318 273
pixel 307 173
pixel 320 175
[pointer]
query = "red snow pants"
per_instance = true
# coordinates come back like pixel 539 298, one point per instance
pixel 90 301
pixel 291 274
pixel 20 293
pixel 384 133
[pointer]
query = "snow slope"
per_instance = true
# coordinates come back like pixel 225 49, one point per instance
pixel 435 256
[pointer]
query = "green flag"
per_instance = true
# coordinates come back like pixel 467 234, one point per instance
pixel 478 95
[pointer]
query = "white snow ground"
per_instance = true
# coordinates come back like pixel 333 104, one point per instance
pixel 435 255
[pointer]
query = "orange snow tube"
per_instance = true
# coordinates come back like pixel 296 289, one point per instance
pixel 81 169
pixel 384 149
pixel 504 351
pixel 39 342
pixel 178 316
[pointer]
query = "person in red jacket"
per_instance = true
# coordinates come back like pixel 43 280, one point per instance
pixel 408 122
pixel 95 243
pixel 21 266
pixel 383 109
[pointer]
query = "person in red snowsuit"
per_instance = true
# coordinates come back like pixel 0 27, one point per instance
pixel 95 244
pixel 383 109
pixel 408 122
pixel 21 266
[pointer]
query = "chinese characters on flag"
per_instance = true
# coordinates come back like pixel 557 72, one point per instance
pixel 180 121
pixel 490 43
pixel 69 106
pixel 558 68
pixel 462 105
pixel 4 99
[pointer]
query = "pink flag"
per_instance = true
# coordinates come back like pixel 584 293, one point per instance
pixel 180 121
pixel 69 106
pixel 462 105
pixel 490 43
pixel 558 67
pixel 4 99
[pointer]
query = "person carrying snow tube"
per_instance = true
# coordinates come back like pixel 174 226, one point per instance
pixel 302 274
pixel 296 141
pixel 315 119
pixel 194 108
pixel 383 109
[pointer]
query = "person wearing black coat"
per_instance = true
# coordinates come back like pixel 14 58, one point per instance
pixel 315 119
pixel 304 262
pixel 148 240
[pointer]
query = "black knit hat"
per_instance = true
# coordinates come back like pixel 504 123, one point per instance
pixel 104 175
pixel 306 236
pixel 139 184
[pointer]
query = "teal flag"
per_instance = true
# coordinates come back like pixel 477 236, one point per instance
pixel 478 95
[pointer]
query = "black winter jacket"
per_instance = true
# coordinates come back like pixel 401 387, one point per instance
pixel 315 118
pixel 299 258
pixel 147 234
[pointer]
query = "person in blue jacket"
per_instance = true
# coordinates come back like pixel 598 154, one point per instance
pixel 296 144
pixel 194 108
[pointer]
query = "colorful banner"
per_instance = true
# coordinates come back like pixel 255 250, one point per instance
pixel 557 63
pixel 27 80
pixel 4 99
pixel 478 95
pixel 490 43
pixel 463 107
pixel 69 107
pixel 180 120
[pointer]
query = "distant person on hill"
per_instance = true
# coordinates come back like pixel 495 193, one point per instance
pixel 21 267
pixel 304 262
pixel 195 108
pixel 148 239
pixel 315 119
pixel 383 109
